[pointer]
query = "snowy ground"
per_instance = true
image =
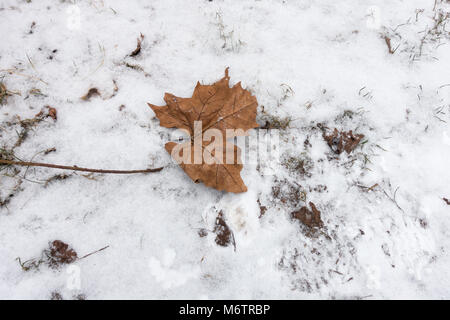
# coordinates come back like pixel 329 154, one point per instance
pixel 309 61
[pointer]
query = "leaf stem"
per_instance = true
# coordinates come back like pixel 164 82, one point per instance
pixel 75 168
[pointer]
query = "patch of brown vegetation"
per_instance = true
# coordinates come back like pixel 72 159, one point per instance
pixel 340 141
pixel 57 177
pixel 310 218
pixel 28 124
pixel 288 193
pixel 301 165
pixel 3 93
pixel 274 122
pixel 58 253
pixel 55 295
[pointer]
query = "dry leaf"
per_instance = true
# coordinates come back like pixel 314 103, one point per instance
pixel 219 107
pixel 92 92
pixel 342 141
pixel 138 47
pixel 224 236
pixel 310 218
pixel 60 253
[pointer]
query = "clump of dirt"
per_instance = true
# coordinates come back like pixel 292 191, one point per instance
pixel 310 218
pixel 224 236
pixel 340 141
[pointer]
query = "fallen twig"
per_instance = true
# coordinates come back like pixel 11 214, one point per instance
pixel 75 168
pixel 87 255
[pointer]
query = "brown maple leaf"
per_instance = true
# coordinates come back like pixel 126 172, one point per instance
pixel 218 108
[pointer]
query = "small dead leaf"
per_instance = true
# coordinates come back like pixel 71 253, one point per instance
pixel 310 218
pixel 93 92
pixel 446 201
pixel 224 236
pixel 262 209
pixel 216 106
pixel 138 47
pixel 52 113
pixel 47 112
pixel 388 44
pixel 342 141
pixel 60 253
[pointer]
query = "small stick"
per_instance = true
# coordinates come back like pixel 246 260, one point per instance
pixel 75 168
pixel 85 256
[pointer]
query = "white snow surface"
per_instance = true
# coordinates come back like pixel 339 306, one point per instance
pixel 389 242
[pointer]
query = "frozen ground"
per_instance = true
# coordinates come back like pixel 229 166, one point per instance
pixel 308 61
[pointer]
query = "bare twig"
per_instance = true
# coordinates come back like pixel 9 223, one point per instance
pixel 75 168
pixel 87 255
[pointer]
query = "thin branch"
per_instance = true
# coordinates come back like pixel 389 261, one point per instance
pixel 75 168
pixel 87 255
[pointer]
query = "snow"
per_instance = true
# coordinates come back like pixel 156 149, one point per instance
pixel 386 243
